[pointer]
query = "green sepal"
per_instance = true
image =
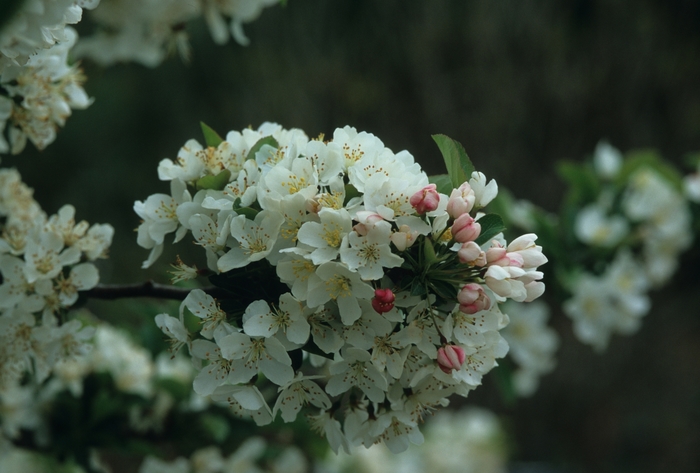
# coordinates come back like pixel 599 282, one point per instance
pixel 268 140
pixel 491 225
pixel 429 256
pixel 216 183
pixel 211 138
pixel 249 212
pixel 459 166
pixel 442 183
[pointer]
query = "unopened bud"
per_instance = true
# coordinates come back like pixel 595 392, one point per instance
pixel 465 229
pixel 426 199
pixel 471 253
pixel 450 357
pixel 473 299
pixel 461 200
pixel 383 300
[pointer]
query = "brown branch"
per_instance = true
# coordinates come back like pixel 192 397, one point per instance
pixel 146 289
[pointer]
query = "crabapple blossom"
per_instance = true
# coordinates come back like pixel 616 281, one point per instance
pixel 339 259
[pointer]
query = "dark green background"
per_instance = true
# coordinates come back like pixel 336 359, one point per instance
pixel 522 84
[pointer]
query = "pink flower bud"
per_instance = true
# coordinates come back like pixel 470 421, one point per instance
pixel 471 254
pixel 450 357
pixel 499 256
pixel 426 199
pixel 461 200
pixel 473 299
pixel 383 300
pixel 465 229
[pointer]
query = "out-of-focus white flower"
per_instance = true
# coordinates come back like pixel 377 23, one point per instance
pixel 607 160
pixel 532 344
pixel 593 227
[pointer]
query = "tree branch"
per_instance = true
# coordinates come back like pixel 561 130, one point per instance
pixel 147 289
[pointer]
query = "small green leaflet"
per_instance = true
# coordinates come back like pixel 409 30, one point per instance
pixel 216 183
pixel 249 213
pixel 211 138
pixel 459 166
pixel 268 140
pixel 491 225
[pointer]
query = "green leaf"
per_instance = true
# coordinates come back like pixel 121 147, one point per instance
pixel 491 225
pixel 216 183
pixel 211 138
pixel 249 213
pixel 418 289
pixel 442 182
pixel 459 166
pixel 350 193
pixel 584 184
pixel 268 140
pixel 649 158
pixel 216 426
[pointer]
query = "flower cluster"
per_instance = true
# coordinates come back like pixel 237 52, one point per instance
pixel 38 88
pixel 145 31
pixel 337 258
pixel 641 222
pixel 29 406
pixel 44 262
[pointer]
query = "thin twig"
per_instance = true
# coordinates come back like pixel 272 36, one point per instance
pixel 147 289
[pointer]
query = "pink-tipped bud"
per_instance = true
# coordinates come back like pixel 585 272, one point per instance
pixel 426 199
pixel 450 357
pixel 465 229
pixel 383 300
pixel 499 256
pixel 471 254
pixel 473 299
pixel 461 200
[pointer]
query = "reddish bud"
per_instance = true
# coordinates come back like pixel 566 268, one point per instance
pixel 383 300
pixel 450 357
pixel 426 199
